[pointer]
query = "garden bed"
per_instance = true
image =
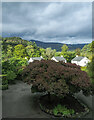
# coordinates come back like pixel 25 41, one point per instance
pixel 68 107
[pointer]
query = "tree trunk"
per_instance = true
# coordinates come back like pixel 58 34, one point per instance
pixel 49 97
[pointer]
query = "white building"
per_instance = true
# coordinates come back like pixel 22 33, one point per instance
pixel 81 61
pixel 58 58
pixel 35 58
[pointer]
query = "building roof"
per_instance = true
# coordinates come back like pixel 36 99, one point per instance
pixel 79 58
pixel 37 58
pixel 60 58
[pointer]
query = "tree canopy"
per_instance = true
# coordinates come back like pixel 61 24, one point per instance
pixel 19 51
pixel 56 78
pixel 64 48
pixel 48 53
pixel 69 55
pixel 88 50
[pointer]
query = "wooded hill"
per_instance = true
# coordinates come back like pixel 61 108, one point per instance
pixel 17 40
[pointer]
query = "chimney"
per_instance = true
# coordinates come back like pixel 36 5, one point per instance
pixel 61 55
pixel 76 55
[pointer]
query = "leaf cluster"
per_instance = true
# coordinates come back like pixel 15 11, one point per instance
pixel 59 109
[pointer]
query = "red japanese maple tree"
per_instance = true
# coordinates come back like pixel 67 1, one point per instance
pixel 57 78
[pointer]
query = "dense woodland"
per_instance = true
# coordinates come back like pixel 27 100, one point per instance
pixel 15 49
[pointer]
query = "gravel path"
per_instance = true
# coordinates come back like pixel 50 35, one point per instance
pixel 19 102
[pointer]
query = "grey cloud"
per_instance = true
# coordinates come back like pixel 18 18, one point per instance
pixel 55 22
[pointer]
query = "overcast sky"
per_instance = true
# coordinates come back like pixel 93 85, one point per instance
pixel 68 23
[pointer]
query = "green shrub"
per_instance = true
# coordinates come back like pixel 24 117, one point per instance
pixel 62 110
pixel 84 68
pixel 20 71
pixel 55 111
pixel 11 76
pixel 4 82
pixel 13 67
pixel 4 87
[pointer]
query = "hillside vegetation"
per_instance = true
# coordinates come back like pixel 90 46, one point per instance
pixel 16 53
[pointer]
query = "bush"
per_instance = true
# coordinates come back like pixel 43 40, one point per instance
pixel 56 78
pixel 84 68
pixel 4 87
pixel 11 76
pixel 3 82
pixel 18 61
pixel 13 67
pixel 63 110
pixel 90 70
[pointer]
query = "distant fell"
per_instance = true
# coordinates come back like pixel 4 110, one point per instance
pixel 57 46
pixel 17 40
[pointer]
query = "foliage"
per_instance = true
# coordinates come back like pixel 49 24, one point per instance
pixel 57 53
pixel 42 51
pixel 35 89
pixel 18 61
pixel 78 51
pixel 62 110
pixel 56 78
pixel 49 53
pixel 88 50
pixel 64 48
pixel 11 75
pixel 14 51
pixel 19 51
pixel 92 47
pixel 30 50
pixel 14 41
pixel 84 68
pixel 13 67
pixel 33 50
pixel 4 83
pixel 4 87
pixel 90 70
pixel 9 51
pixel 68 55
pixel 17 47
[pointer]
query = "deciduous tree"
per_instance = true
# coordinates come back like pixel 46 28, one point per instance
pixel 49 53
pixel 19 51
pixel 56 78
pixel 78 51
pixel 64 48
pixel 69 55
